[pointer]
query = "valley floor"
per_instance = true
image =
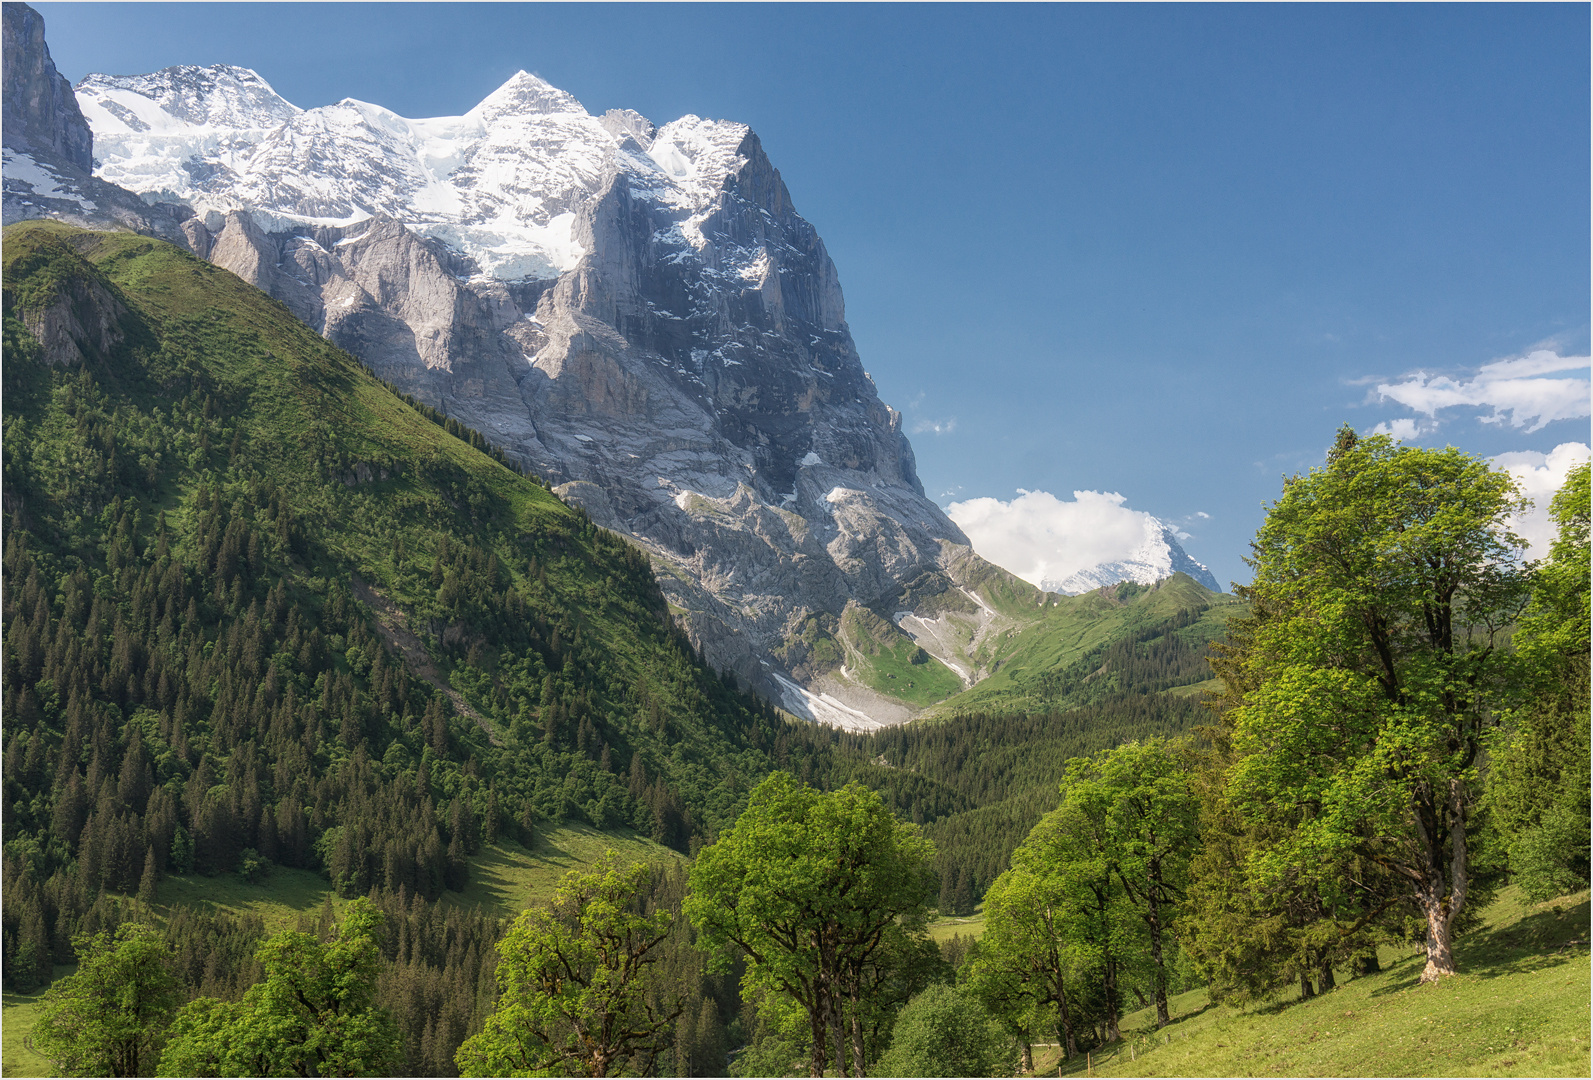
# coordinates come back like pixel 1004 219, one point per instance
pixel 1520 1007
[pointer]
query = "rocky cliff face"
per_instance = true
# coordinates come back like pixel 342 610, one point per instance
pixel 39 109
pixel 637 313
pixel 49 146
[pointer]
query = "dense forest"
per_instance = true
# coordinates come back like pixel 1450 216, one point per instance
pixel 260 611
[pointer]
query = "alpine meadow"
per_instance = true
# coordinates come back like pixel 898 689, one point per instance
pixel 467 611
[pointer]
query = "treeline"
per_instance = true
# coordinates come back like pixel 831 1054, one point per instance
pixel 1004 770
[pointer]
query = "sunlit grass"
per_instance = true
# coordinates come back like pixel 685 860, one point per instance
pixel 1519 1007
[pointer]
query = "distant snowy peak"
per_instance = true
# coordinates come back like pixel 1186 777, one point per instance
pixel 527 95
pixel 1158 557
pixel 218 96
pixel 502 183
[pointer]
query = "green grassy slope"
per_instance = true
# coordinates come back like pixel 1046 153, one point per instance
pixel 1036 666
pixel 216 385
pixel 1518 1008
pixel 881 657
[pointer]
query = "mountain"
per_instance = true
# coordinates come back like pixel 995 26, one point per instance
pixel 49 147
pixel 1159 556
pixel 637 313
pixel 1078 650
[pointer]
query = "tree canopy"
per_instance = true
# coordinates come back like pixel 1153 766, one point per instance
pixel 574 978
pixel 313 1015
pixel 109 1017
pixel 1389 580
pixel 813 888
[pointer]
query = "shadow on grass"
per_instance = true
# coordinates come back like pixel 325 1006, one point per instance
pixel 1537 941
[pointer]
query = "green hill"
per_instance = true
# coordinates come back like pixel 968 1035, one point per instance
pixel 1061 657
pixel 1519 1007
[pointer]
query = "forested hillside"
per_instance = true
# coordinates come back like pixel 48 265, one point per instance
pixel 260 610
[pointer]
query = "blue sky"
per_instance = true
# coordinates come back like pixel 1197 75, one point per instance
pixel 1161 251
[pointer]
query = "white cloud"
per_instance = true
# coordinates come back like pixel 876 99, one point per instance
pixel 1203 515
pixel 935 427
pixel 1515 389
pixel 1540 476
pixel 1042 538
pixel 1404 428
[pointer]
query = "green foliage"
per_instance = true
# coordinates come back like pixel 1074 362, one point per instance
pixel 222 632
pixel 1388 580
pixel 109 1017
pixel 1078 650
pixel 945 1031
pixel 816 890
pixel 314 1015
pixel 1092 900
pixel 575 978
pixel 1538 791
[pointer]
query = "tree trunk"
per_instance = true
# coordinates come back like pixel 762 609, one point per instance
pixel 819 1022
pixel 1366 963
pixel 838 1031
pixel 1027 1064
pixel 1070 1047
pixel 1153 916
pixel 1305 987
pixel 1112 1010
pixel 1324 979
pixel 857 1035
pixel 1441 905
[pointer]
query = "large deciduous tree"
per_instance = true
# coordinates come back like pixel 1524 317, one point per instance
pixel 815 889
pixel 1389 578
pixel 313 1015
pixel 109 1018
pixel 575 981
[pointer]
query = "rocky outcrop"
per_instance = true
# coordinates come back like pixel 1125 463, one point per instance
pixel 82 321
pixel 49 147
pixel 38 109
pixel 638 314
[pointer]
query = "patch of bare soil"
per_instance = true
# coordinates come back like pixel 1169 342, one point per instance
pixel 395 633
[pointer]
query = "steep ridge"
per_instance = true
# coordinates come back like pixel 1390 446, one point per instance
pixel 49 147
pixel 186 439
pixel 637 313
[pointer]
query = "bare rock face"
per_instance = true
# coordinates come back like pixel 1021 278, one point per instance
pixel 83 321
pixel 636 313
pixel 39 109
pixel 49 146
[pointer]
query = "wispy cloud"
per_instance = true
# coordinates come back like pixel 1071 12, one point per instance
pixel 1540 476
pixel 1040 537
pixel 1518 390
pixel 1405 428
pixel 935 427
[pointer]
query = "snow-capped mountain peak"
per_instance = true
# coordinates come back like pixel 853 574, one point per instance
pixel 1158 556
pixel 500 183
pixel 219 96
pixel 526 94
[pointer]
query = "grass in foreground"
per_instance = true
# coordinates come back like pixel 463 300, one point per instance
pixel 17 1056
pixel 1518 1008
